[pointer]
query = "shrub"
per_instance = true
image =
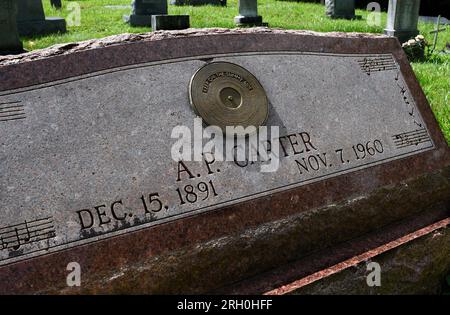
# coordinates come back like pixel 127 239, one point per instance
pixel 415 48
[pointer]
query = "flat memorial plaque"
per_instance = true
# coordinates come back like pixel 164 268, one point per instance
pixel 88 156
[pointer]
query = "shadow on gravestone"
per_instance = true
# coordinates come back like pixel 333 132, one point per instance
pixel 199 2
pixel 31 19
pixel 142 11
pixel 9 37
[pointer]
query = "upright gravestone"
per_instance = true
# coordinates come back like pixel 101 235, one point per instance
pixel 248 14
pixel 403 17
pixel 31 19
pixel 9 38
pixel 340 9
pixel 91 171
pixel 142 11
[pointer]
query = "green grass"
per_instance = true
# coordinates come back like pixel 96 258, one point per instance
pixel 98 21
pixel 434 77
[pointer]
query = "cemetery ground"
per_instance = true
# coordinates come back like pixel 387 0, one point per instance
pixel 100 18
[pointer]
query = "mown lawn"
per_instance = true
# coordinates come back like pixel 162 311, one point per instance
pixel 100 18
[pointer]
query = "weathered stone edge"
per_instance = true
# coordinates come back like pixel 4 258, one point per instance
pixel 68 48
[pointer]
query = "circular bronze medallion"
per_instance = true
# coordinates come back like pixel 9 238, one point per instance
pixel 225 94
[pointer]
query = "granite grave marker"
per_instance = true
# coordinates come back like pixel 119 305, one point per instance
pixel 88 175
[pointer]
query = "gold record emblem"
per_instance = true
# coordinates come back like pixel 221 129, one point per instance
pixel 225 94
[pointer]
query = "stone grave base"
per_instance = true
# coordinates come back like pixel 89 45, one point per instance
pixel 170 22
pixel 402 36
pixel 47 26
pixel 419 266
pixel 414 259
pixel 249 21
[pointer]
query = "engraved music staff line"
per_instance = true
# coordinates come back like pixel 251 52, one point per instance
pixel 411 138
pixel 376 64
pixel 12 111
pixel 14 236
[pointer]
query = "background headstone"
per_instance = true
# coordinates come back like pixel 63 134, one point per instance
pixel 9 37
pixel 199 2
pixel 403 17
pixel 434 19
pixel 142 11
pixel 340 9
pixel 31 19
pixel 170 22
pixel 248 14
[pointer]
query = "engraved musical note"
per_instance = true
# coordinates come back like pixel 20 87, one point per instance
pixel 17 246
pixel 28 236
pixel 411 138
pixel 400 137
pixel 414 141
pixel 15 236
pixel 377 64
